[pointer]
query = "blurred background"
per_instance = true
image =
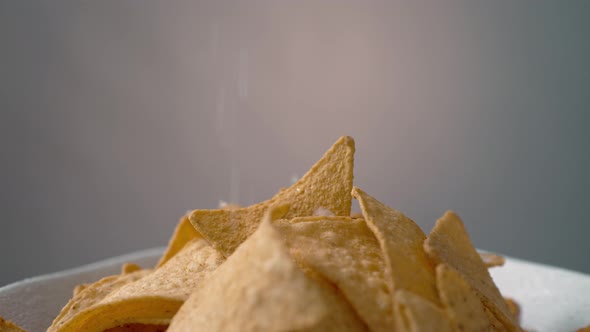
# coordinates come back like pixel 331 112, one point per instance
pixel 119 116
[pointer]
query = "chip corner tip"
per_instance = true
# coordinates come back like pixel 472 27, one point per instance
pixel 346 140
pixel 190 215
pixel 451 213
pixel 449 216
pixel 194 217
pixel 356 192
pixel 276 211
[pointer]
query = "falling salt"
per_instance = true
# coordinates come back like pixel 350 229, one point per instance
pixel 214 41
pixel 243 73
pixel 234 186
pixel 220 108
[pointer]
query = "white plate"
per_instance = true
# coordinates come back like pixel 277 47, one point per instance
pixel 552 299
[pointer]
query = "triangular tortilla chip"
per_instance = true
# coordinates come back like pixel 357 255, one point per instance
pixel 346 253
pixel 183 233
pixel 460 301
pixel 417 314
pixel 449 243
pixel 125 269
pixel 90 296
pixel 326 185
pixel 401 241
pixel 8 326
pixel 270 294
pixel 153 299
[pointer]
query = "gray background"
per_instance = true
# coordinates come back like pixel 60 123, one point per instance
pixel 118 116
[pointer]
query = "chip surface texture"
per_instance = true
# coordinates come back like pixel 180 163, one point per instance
pixel 271 294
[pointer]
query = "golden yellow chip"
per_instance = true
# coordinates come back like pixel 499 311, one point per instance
pixel 178 277
pixel 346 253
pixel 326 185
pixel 449 243
pixel 492 260
pixel 584 329
pixel 497 326
pixel 316 269
pixel 129 267
pixel 183 233
pixel 90 296
pixel 8 326
pixel 514 308
pixel 260 288
pixel 416 314
pixel 153 299
pixel 401 241
pixel 461 302
pixel 79 288
pixel 125 269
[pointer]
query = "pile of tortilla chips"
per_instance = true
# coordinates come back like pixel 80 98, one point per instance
pixel 300 262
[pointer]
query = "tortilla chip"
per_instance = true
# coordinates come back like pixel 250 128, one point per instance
pixel 495 323
pixel 401 241
pixel 584 329
pixel 183 233
pixel 178 277
pixel 492 260
pixel 8 326
pixel 327 185
pixel 460 301
pixel 346 253
pixel 417 314
pixel 129 268
pixel 90 296
pixel 153 299
pixel 449 243
pixel 271 294
pixel 514 308
pixel 79 288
